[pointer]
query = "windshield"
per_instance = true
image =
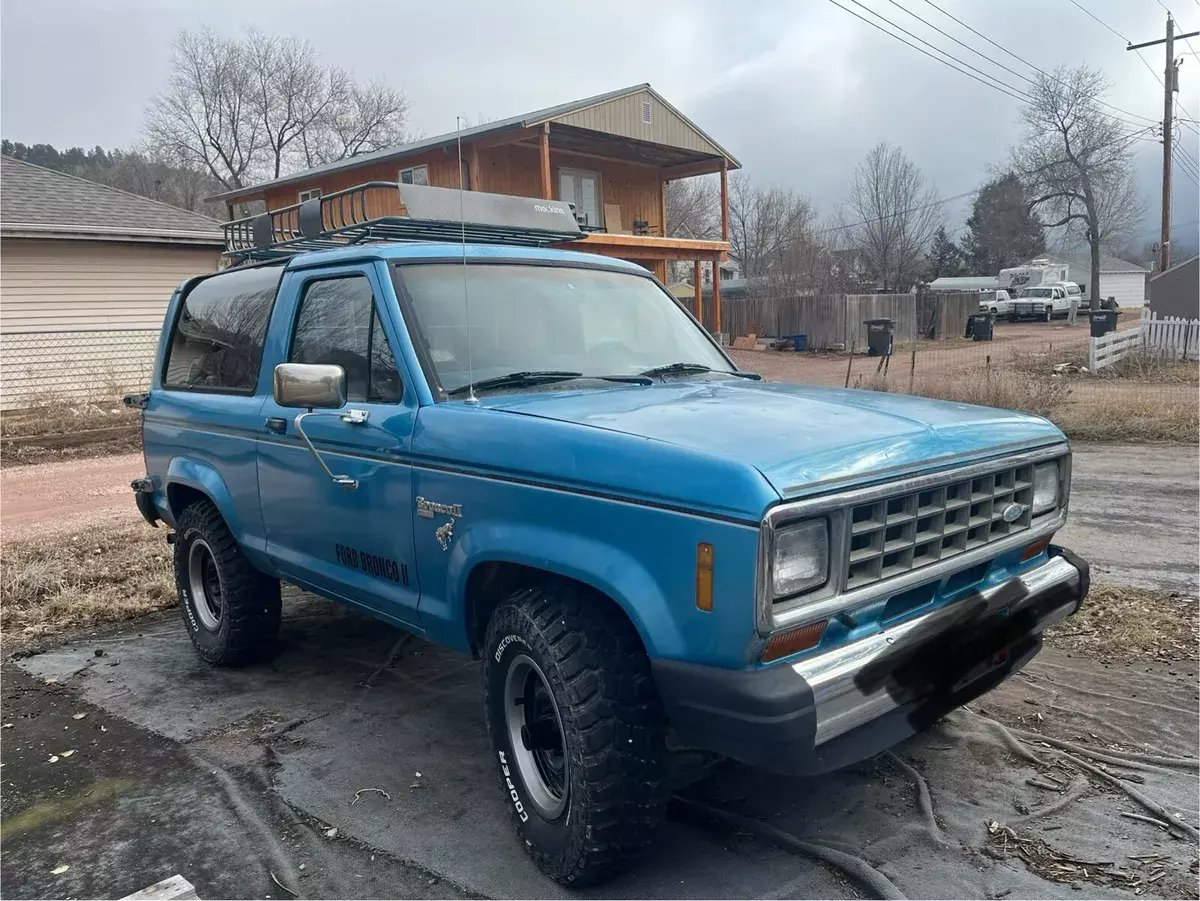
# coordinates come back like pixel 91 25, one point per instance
pixel 1035 292
pixel 534 319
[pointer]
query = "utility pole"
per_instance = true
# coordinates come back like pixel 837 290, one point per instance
pixel 1170 87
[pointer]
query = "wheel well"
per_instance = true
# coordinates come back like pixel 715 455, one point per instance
pixel 180 497
pixel 491 582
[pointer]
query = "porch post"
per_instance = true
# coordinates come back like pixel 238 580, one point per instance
pixel 716 296
pixel 724 200
pixel 697 307
pixel 544 141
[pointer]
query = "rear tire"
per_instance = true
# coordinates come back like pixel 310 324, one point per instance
pixel 230 609
pixel 577 729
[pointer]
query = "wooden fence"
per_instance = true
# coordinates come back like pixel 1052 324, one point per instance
pixel 828 320
pixel 1169 337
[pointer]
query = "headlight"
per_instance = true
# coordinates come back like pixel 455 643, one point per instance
pixel 1045 487
pixel 801 560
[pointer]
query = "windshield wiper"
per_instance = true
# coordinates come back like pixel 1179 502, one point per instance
pixel 517 380
pixel 543 377
pixel 671 368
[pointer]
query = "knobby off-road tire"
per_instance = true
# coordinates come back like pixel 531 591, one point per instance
pixel 567 663
pixel 230 609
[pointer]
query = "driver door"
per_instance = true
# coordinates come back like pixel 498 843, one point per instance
pixel 354 541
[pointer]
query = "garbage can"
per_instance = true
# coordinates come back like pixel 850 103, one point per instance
pixel 979 326
pixel 799 342
pixel 879 336
pixel 1103 322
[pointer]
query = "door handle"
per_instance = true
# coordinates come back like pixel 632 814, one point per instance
pixel 277 424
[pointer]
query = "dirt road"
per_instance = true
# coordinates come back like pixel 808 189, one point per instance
pixel 67 496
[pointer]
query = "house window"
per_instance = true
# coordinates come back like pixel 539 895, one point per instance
pixel 645 112
pixel 309 194
pixel 415 175
pixel 582 189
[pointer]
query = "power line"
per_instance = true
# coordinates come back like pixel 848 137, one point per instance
pixel 1186 168
pixel 1026 62
pixel 927 53
pixel 1087 12
pixel 991 78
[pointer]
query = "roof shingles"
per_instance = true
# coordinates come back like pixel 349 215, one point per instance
pixel 34 199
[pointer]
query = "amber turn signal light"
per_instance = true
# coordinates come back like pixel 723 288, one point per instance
pixel 1034 549
pixel 704 576
pixel 782 644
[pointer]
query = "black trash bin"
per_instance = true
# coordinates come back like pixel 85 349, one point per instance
pixel 879 336
pixel 979 326
pixel 1103 322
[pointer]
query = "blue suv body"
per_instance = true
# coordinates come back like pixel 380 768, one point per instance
pixel 540 458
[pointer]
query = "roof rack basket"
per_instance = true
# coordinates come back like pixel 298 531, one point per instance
pixel 433 214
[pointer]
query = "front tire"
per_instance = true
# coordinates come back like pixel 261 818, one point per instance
pixel 230 609
pixel 577 730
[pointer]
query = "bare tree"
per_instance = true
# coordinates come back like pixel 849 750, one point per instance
pixel 896 215
pixel 255 107
pixel 693 208
pixel 762 222
pixel 1077 162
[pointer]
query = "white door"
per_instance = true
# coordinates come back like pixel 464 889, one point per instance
pixel 582 188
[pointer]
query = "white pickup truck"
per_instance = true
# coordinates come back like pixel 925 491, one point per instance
pixel 1042 302
pixel 997 302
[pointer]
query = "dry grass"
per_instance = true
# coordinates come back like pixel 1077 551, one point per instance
pixel 103 575
pixel 1008 389
pixel 52 414
pixel 1156 368
pixel 1133 419
pixel 1119 624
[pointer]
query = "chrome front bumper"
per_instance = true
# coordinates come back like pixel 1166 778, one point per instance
pixel 836 678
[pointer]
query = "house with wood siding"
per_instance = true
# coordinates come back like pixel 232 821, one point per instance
pixel 611 156
pixel 87 273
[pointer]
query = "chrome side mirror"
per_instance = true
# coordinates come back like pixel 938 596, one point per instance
pixel 312 385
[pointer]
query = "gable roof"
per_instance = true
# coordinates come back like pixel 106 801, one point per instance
pixel 1190 261
pixel 44 203
pixel 1083 262
pixel 564 113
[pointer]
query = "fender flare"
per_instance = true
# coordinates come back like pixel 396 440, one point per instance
pixel 605 568
pixel 204 478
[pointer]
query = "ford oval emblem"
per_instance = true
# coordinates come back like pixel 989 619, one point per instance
pixel 1012 512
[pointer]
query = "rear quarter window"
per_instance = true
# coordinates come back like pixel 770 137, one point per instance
pixel 217 337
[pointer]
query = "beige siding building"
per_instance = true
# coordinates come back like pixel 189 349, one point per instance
pixel 86 272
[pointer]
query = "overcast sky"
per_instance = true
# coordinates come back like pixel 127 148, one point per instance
pixel 798 91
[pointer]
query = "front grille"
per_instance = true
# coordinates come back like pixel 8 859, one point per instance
pixel 897 534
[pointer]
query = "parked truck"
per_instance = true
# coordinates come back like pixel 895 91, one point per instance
pixel 541 459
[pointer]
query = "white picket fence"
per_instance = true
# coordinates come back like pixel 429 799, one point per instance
pixel 1168 336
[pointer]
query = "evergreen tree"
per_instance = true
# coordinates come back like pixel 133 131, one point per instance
pixel 944 257
pixel 1002 231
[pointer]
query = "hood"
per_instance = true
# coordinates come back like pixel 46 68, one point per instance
pixel 800 437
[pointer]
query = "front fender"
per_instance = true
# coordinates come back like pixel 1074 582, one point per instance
pixel 606 568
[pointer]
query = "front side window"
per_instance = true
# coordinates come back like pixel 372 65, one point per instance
pixel 519 318
pixel 217 338
pixel 338 323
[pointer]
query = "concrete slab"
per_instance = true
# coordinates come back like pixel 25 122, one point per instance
pixel 335 713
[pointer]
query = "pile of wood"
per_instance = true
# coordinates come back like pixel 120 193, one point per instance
pixel 752 341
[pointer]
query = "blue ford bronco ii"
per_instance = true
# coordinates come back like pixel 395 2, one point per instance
pixel 540 458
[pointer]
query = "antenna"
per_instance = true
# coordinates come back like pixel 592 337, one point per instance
pixel 462 219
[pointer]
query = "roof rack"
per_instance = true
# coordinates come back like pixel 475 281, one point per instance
pixel 434 214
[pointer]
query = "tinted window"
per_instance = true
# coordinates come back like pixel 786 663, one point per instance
pixel 338 324
pixel 218 335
